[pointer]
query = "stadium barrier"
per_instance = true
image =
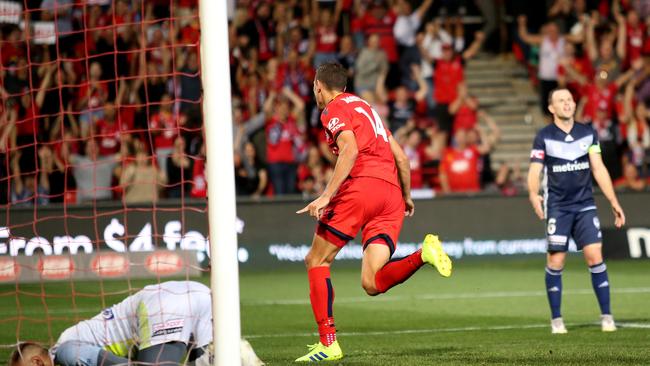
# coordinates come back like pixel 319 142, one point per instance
pixel 104 264
pixel 273 236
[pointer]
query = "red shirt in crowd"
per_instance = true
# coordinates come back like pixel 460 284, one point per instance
pixel 199 182
pixel 108 137
pixel 282 139
pixel 165 127
pixel 635 41
pixel 347 112
pixel 599 99
pixel 326 39
pixel 415 163
pixel 96 95
pixel 190 34
pixel 384 28
pixel 10 53
pixel 126 118
pixel 447 76
pixel 27 124
pixel 462 169
pixel 188 3
pixel 465 118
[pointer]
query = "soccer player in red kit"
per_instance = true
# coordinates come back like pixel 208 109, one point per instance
pixel 369 190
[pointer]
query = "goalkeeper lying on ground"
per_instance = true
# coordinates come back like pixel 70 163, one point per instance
pixel 165 323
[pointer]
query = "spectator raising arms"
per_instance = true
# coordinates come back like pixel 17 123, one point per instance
pixel 448 73
pixel 165 126
pixel 638 131
pixel 405 29
pixel 371 67
pixel 551 43
pixel 179 171
pixel 142 180
pixel 403 107
pixel 93 173
pixel 284 143
pixel 325 39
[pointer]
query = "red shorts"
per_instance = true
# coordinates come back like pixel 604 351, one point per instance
pixel 370 204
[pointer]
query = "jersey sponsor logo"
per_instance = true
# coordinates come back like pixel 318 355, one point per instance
pixel 9 269
pixel 460 166
pixel 164 263
pixel 557 239
pixel 334 124
pixel 537 154
pixel 570 167
pixel 167 327
pixel 107 314
pixel 55 267
pixel 109 265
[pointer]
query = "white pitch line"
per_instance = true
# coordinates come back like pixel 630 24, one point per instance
pixel 441 330
pixel 447 296
pixel 349 300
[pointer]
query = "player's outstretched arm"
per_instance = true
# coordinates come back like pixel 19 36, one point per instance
pixel 604 181
pixel 348 152
pixel 533 188
pixel 404 173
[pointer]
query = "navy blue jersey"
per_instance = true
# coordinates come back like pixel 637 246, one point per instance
pixel 566 165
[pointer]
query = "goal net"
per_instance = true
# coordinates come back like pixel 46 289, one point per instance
pixel 102 158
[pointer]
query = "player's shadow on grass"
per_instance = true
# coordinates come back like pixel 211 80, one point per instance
pixel 633 320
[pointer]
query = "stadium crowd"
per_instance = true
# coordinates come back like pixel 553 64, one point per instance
pixel 600 51
pixel 111 108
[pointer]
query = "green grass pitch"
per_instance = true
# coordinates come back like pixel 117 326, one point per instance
pixel 488 313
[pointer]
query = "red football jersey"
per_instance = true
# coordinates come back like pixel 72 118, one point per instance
pixel 347 112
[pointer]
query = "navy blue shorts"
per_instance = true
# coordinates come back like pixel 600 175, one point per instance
pixel 582 226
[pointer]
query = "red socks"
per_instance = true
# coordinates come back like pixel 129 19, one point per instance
pixel 321 291
pixel 397 271
pixel 321 294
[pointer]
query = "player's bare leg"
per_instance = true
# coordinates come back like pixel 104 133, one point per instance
pixel 554 266
pixel 374 258
pixel 321 253
pixel 321 295
pixel 379 273
pixel 593 254
pixel 600 282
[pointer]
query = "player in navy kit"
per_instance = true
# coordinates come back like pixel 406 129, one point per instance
pixel 569 153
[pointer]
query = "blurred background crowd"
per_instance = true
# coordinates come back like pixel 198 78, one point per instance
pixel 110 109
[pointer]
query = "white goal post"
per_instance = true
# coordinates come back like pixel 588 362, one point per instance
pixel 217 120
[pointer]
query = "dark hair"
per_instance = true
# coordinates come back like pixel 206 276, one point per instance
pixel 550 94
pixel 333 75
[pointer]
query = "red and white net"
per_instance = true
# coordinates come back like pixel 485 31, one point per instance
pixel 100 119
